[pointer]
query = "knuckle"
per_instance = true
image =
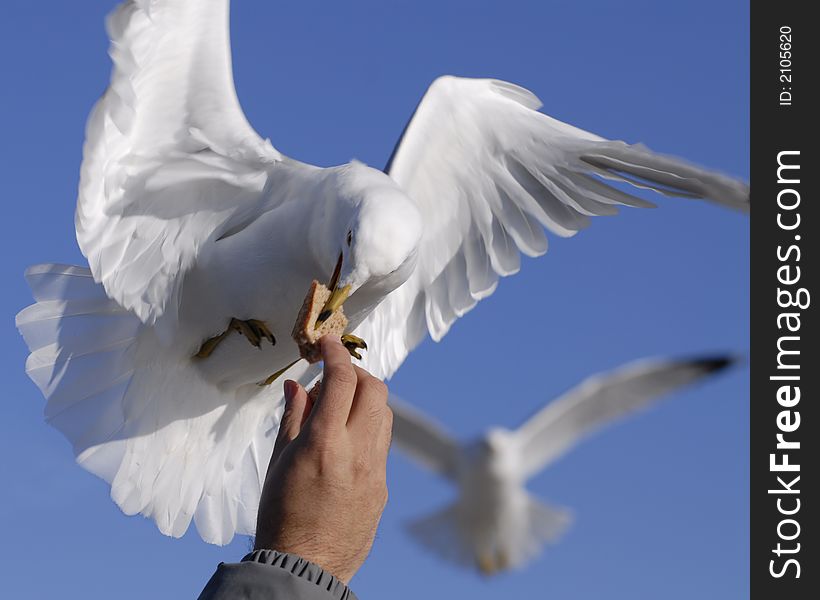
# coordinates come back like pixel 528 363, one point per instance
pixel 375 388
pixel 388 435
pixel 374 413
pixel 341 375
pixel 388 418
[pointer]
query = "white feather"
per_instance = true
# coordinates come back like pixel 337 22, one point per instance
pixel 600 400
pixel 172 446
pixel 488 173
pixel 169 155
pixel 495 524
pixel 188 218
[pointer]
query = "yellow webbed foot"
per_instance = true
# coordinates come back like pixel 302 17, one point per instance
pixel 209 345
pixel 486 563
pixel 353 344
pixel 252 329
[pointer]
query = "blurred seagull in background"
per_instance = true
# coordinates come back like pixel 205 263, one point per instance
pixel 161 362
pixel 496 524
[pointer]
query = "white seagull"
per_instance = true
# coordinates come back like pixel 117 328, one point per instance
pixel 201 237
pixel 495 524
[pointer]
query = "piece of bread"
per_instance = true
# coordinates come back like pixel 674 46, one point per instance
pixel 305 333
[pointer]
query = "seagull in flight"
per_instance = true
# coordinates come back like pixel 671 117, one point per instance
pixel 495 524
pixel 162 362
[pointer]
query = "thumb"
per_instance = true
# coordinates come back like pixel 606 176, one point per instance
pixel 296 407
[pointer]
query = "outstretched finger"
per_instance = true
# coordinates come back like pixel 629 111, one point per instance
pixel 296 412
pixel 338 385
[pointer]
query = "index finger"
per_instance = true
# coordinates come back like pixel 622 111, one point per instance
pixel 338 384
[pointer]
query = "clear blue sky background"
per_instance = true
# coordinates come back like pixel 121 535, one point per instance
pixel 661 501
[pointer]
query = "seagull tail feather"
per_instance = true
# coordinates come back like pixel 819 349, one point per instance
pixel 143 422
pixel 81 344
pixel 441 533
pixel 460 534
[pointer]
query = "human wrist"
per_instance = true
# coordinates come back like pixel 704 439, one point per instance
pixel 310 550
pixel 302 568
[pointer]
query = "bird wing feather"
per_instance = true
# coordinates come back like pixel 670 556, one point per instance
pixel 173 447
pixel 601 399
pixel 489 173
pixel 169 156
pixel 423 440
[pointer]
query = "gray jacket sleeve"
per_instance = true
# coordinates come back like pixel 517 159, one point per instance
pixel 271 575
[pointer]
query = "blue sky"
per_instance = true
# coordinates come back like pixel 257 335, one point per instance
pixel 660 501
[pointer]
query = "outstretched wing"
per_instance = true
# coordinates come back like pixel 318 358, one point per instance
pixel 601 399
pixel 169 155
pixel 173 447
pixel 422 440
pixel 488 174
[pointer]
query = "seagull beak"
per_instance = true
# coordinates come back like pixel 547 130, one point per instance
pixel 337 295
pixel 337 271
pixel 337 298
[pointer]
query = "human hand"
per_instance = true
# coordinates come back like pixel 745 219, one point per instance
pixel 326 485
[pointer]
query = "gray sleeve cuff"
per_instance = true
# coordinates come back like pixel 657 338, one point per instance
pixel 272 575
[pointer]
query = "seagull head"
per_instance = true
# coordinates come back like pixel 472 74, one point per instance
pixel 497 451
pixel 497 441
pixel 381 241
pixel 376 233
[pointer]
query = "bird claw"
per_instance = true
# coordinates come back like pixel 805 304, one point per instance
pixel 209 345
pixel 503 562
pixel 253 329
pixel 486 564
pixel 354 343
pixel 490 563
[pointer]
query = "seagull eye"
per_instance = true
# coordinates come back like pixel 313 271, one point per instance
pixel 349 238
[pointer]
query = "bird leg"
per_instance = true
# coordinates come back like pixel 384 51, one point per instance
pixel 503 560
pixel 486 563
pixel 209 345
pixel 353 344
pixel 334 302
pixel 278 374
pixel 350 341
pixel 253 329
